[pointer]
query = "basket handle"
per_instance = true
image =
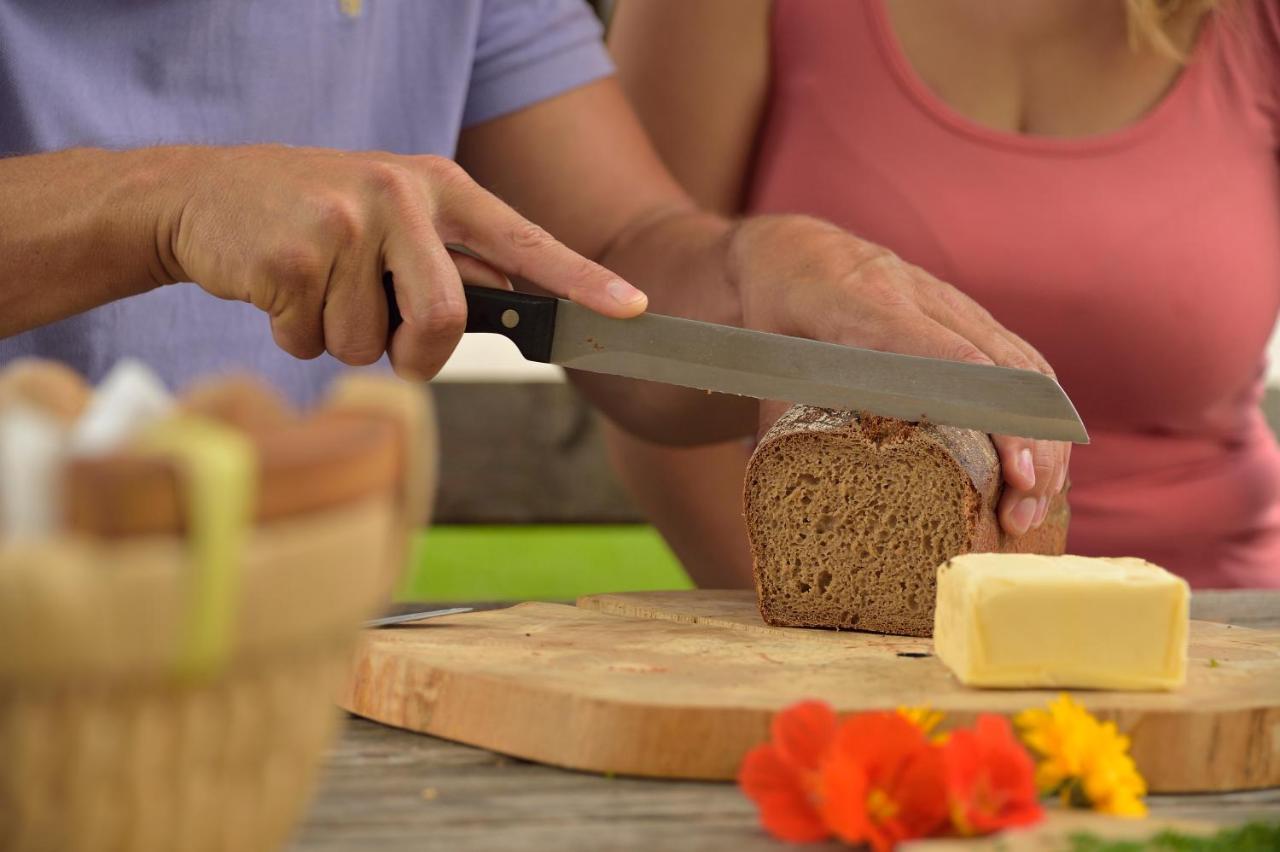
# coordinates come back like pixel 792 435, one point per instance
pixel 218 468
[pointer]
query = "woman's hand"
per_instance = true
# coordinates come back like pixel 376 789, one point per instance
pixel 800 276
pixel 306 235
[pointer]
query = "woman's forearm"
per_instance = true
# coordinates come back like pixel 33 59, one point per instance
pixel 80 228
pixel 679 258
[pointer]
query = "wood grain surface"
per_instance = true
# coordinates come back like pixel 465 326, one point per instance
pixel 395 791
pixel 399 791
pixel 682 684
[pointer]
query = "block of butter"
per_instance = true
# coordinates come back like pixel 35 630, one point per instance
pixel 1019 620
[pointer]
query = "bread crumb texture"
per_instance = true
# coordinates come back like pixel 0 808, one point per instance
pixel 850 515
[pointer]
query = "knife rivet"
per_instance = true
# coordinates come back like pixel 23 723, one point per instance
pixel 510 319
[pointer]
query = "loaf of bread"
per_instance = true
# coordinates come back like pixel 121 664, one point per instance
pixel 850 515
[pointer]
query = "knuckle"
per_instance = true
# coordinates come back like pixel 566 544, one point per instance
pixel 357 352
pixel 443 174
pixel 1025 358
pixel 1044 460
pixel 949 296
pixel 446 317
pixel 304 351
pixel 341 218
pixel 294 264
pixel 527 235
pixel 583 277
pixel 442 168
pixel 391 180
pixel 1011 356
pixel 963 350
pixel 880 282
pixel 296 342
pixel 876 263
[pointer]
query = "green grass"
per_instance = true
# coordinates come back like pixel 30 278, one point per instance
pixel 474 563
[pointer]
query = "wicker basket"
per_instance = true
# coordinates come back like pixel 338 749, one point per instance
pixel 108 739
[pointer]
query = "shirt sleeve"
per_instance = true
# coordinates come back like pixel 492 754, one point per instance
pixel 531 50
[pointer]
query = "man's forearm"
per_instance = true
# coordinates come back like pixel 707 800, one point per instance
pixel 80 228
pixel 680 257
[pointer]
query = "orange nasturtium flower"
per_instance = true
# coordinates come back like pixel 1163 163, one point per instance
pixel 784 777
pixel 990 778
pixel 883 782
pixel 879 778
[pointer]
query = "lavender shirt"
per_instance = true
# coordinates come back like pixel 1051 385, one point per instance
pixel 396 75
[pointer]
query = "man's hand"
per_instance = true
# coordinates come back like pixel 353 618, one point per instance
pixel 306 235
pixel 796 275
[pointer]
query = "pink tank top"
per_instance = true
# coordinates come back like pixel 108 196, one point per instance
pixel 1144 263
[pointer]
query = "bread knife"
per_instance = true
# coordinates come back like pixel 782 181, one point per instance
pixel 726 359
pixel 407 617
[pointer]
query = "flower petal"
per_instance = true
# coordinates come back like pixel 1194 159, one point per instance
pixel 883 782
pixel 844 800
pixel 990 779
pixel 921 795
pixel 781 796
pixel 879 740
pixel 803 733
pixel 923 717
pixel 1085 760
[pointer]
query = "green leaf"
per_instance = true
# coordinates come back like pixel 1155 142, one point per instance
pixel 1252 837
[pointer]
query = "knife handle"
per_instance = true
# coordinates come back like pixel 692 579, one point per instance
pixel 527 321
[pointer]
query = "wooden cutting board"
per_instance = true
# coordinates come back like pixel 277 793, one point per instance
pixel 682 684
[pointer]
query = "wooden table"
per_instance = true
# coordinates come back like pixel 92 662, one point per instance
pixel 387 790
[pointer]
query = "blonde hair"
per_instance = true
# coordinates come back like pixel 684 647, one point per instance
pixel 1154 24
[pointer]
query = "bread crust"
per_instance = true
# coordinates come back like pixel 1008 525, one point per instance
pixel 969 455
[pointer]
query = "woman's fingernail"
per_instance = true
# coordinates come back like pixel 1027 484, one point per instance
pixel 1024 512
pixel 623 293
pixel 1042 509
pixel 1026 466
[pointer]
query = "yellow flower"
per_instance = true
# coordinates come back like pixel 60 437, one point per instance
pixel 925 718
pixel 1116 788
pixel 1084 761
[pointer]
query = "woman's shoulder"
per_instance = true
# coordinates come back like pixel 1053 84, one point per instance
pixel 1244 53
pixel 1249 37
pixel 1262 14
pixel 1252 25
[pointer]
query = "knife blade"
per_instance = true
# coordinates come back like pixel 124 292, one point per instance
pixel 725 359
pixel 407 617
